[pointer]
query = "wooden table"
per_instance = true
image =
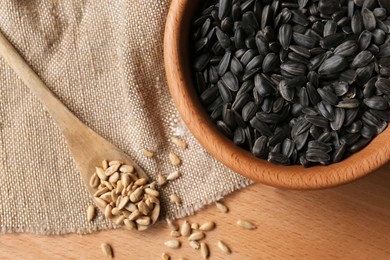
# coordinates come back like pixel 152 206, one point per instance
pixel 348 222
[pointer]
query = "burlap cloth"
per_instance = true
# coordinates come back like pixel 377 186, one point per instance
pixel 104 60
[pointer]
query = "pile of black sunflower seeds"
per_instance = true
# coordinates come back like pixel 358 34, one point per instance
pixel 294 82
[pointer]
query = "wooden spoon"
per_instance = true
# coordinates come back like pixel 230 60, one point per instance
pixel 88 148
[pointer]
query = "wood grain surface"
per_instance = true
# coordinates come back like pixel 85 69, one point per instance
pixel 347 222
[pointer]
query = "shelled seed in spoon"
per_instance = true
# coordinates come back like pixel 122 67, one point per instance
pixel 127 198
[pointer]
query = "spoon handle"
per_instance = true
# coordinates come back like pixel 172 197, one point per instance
pixel 61 114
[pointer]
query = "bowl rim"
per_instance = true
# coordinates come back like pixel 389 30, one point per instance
pixel 181 87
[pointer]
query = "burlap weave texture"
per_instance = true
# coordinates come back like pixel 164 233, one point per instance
pixel 104 60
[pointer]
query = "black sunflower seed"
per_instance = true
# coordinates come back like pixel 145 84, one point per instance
pixel 288 147
pixel 278 105
pixel 240 101
pixel 262 44
pixel 213 75
pixel 227 24
pixel 239 136
pixel 369 20
pixel 230 80
pixel 347 48
pixel 286 91
pixel 355 127
pixel 285 35
pixel 328 6
pixel 315 144
pixel 383 85
pixel 316 61
pixel 249 111
pixel 303 51
pixel 318 156
pixel 303 40
pixel 224 129
pixel 370 119
pixel 255 63
pixel 378 36
pixel 362 59
pixel 348 76
pixel 268 118
pixel 376 102
pixel 350 116
pixel 225 93
pixel 326 110
pixel 239 39
pixel 384 50
pixel 224 8
pixel 340 88
pixel 248 56
pixel 339 153
pixel 223 39
pixel 330 28
pixel 368 131
pixel 224 63
pixel 263 128
pixel 260 148
pixel 201 61
pixel 364 40
pixel 339 118
pixel 304 97
pixel 278 158
pixel 384 115
pixel 228 117
pixel 263 86
pixel 319 121
pixel 270 62
pixel 332 41
pixel 333 64
pixel 364 74
pixel 313 94
pixel 294 68
pixel 325 137
pixel 328 96
pixel 209 95
pixel 299 18
pixel 235 66
pixel 359 145
pixel 266 16
pixel 348 103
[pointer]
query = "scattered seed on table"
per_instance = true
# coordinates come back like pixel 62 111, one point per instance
pixel 165 256
pixel 223 247
pixel 194 226
pixel 245 224
pixel 221 207
pixel 204 250
pixel 195 244
pixel 207 226
pixel 107 250
pixel 175 233
pixel 172 224
pixel 185 229
pixel 196 236
pixel 172 244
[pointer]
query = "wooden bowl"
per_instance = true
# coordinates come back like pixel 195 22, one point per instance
pixel 177 66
